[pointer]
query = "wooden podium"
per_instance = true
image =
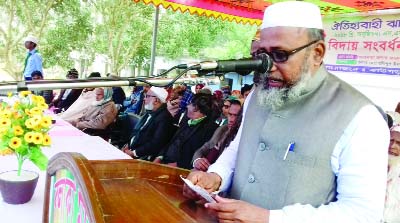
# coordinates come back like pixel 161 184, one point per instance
pixel 80 190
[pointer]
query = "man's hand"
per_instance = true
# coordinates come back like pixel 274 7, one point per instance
pixel 157 160
pixel 201 164
pixel 173 164
pixel 126 150
pixel 208 181
pixel 173 106
pixel 230 210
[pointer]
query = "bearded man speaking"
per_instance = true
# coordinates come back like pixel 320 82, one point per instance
pixel 311 148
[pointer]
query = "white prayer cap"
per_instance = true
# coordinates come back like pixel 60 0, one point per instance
pixel 161 93
pixel 395 128
pixel 292 14
pixel 32 39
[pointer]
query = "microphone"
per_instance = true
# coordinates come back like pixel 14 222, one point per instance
pixel 262 63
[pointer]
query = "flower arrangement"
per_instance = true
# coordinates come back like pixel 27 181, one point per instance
pixel 24 128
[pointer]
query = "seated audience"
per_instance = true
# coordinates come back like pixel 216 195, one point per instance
pixel 226 91
pixel 211 150
pixel 67 96
pixel 85 100
pixel 206 90
pixel 223 118
pixel 47 94
pixel 392 203
pixel 101 114
pixel 133 103
pixel 198 87
pixel 245 90
pixel 154 130
pixel 192 134
pixel 118 93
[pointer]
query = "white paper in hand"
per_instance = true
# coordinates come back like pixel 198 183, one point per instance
pixel 200 191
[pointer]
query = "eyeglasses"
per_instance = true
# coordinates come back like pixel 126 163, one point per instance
pixel 148 96
pixel 280 56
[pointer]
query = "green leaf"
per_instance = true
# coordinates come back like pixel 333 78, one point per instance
pixel 38 158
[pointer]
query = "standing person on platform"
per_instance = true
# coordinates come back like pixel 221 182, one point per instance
pixel 33 60
pixel 311 148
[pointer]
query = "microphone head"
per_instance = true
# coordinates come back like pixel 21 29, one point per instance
pixel 266 64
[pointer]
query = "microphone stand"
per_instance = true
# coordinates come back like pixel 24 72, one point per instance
pixel 99 82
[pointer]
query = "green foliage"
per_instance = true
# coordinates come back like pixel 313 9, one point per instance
pixel 122 32
pixel 202 37
pixel 71 30
pixel 119 29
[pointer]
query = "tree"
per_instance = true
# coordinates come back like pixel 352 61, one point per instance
pixel 123 32
pixel 44 19
pixel 202 37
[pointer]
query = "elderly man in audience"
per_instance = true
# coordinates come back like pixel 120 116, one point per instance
pixel 101 114
pixel 154 130
pixel 211 150
pixel 85 100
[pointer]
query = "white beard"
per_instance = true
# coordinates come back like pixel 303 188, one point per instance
pixel 275 98
pixel 149 106
pixel 96 103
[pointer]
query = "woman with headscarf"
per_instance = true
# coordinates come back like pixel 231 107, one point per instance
pixel 100 114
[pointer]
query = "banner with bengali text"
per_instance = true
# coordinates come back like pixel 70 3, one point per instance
pixel 363 44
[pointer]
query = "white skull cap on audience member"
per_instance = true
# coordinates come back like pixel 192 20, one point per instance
pixel 395 128
pixel 161 93
pixel 292 14
pixel 32 39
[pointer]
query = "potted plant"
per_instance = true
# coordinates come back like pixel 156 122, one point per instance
pixel 23 132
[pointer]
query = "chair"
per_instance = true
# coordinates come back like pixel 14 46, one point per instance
pixel 103 133
pixel 123 128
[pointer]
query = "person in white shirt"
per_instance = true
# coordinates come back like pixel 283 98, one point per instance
pixel 310 148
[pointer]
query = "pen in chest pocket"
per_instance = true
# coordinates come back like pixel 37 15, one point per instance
pixel 290 148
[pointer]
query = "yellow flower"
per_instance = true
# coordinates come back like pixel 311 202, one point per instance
pixel 5 114
pixel 24 93
pixel 6 151
pixel 39 99
pixel 18 130
pixel 14 143
pixel 16 104
pixel 29 137
pixel 28 112
pixel 46 140
pixel 42 106
pixel 35 111
pixel 45 122
pixel 4 122
pixel 30 124
pixel 37 138
pixel 9 94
